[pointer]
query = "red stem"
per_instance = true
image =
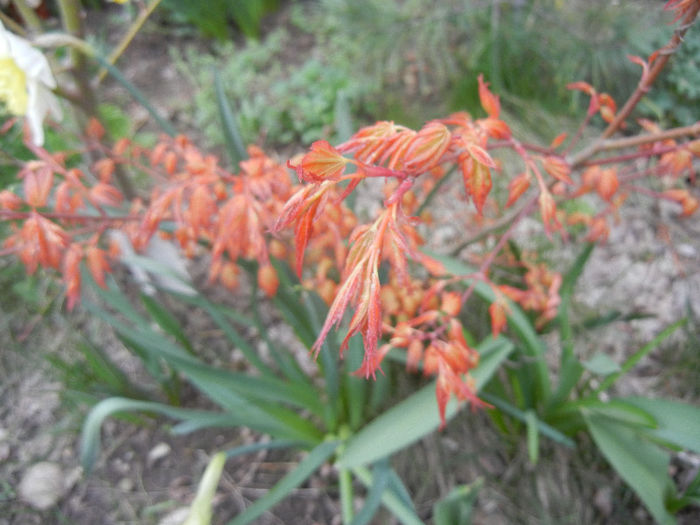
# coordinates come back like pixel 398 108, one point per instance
pixel 647 80
pixel 17 215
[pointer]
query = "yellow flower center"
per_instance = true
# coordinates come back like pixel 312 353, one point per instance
pixel 13 86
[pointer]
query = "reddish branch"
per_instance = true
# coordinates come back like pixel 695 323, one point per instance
pixel 647 80
pixel 20 215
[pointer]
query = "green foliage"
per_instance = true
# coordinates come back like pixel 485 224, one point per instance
pixel 633 434
pixel 330 417
pixel 91 375
pixel 273 99
pixel 531 50
pixel 212 17
pixel 456 508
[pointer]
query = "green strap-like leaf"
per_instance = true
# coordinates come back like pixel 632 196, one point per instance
pixel 643 465
pixel 137 94
pixel 234 141
pixel 380 481
pixel 456 508
pixel 276 444
pixel 201 508
pixel 395 504
pixel 639 354
pixel 544 429
pixel 317 457
pixel 676 422
pixel 90 435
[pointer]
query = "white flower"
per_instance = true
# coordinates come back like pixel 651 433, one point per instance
pixel 26 82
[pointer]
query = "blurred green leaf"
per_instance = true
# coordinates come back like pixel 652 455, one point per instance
pixel 456 508
pixel 276 444
pixel 166 126
pixel 601 364
pixel 115 120
pixel 390 499
pixel 166 320
pixel 533 441
pixel 617 409
pixel 354 388
pixel 638 355
pixel 676 422
pixel 90 436
pixel 643 465
pixel 570 368
pixel 542 427
pixel 380 481
pixel 234 142
pixel 201 508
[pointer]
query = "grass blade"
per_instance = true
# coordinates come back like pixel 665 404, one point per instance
pixel 570 368
pixel 545 429
pixel 380 481
pixel 234 141
pixel 257 447
pixel 533 443
pixel 166 126
pixel 90 435
pixel 166 320
pixel 404 513
pixel 317 457
pixel 638 355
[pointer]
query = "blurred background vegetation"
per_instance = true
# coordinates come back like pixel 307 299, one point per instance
pixel 411 60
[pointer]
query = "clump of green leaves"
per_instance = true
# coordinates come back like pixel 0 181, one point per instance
pixel 274 100
pixel 213 17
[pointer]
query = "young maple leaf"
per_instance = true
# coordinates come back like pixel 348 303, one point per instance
pixel 477 180
pixel 71 274
pixel 322 163
pixel 517 187
pixel 489 101
pixel 548 209
pixel 607 184
pixel 427 147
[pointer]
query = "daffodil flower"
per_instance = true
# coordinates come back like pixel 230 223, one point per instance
pixel 26 82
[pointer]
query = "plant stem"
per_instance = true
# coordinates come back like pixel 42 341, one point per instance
pixel 582 157
pixel 500 224
pixel 11 24
pixel 346 495
pixel 481 273
pixel 128 37
pixel 28 15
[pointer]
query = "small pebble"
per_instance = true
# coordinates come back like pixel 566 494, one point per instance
pixel 157 453
pixel 42 485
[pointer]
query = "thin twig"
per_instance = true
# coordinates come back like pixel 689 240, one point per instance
pixel 583 156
